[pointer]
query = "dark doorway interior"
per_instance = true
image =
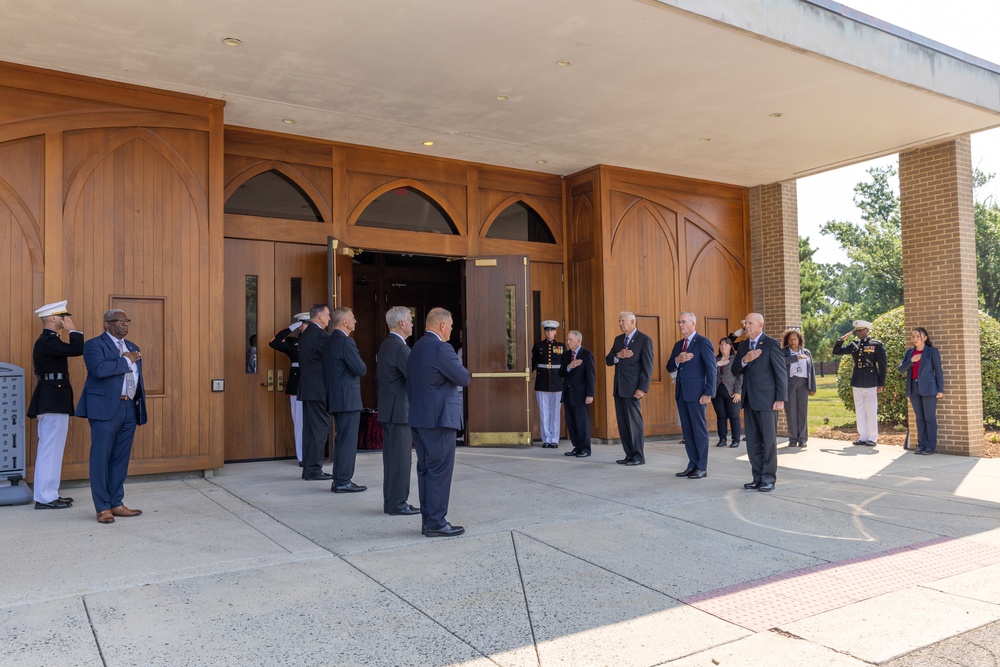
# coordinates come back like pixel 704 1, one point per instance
pixel 384 280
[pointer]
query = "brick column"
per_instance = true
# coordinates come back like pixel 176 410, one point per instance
pixel 774 255
pixel 939 281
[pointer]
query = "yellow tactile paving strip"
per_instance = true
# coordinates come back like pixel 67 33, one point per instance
pixel 771 602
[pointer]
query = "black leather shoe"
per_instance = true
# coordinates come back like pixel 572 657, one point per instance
pixel 751 485
pixel 686 472
pixel 735 443
pixel 582 455
pixel 406 509
pixel 447 530
pixel 720 443
pixel 65 500
pixel 870 444
pixel 622 462
pixel 322 476
pixel 803 445
pixel 636 462
pixel 766 487
pixel 572 452
pixel 301 464
pixel 858 442
pixel 350 487
pixel 698 473
pixel 56 504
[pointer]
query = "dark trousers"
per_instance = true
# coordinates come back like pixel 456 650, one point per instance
pixel 797 410
pixel 435 465
pixel 315 433
pixel 762 444
pixel 695 430
pixel 726 412
pixel 578 426
pixel 110 449
pixel 345 445
pixel 397 457
pixel 925 410
pixel 631 427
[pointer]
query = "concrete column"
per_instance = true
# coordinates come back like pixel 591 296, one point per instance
pixel 939 281
pixel 774 253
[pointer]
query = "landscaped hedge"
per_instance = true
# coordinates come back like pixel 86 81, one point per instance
pixel 889 328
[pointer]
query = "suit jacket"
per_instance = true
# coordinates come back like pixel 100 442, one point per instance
pixel 791 359
pixel 312 383
pixel 765 379
pixel 106 368
pixel 733 383
pixel 930 382
pixel 580 382
pixel 343 368
pixel 697 377
pixel 636 371
pixel 50 357
pixel 284 342
pixel 390 373
pixel 435 373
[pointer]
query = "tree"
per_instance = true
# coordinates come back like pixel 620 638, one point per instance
pixel 987 217
pixel 822 317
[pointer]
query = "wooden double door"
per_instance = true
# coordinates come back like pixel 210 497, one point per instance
pixel 266 284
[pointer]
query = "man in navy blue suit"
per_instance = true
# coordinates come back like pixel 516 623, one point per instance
pixel 578 369
pixel 693 359
pixel 435 373
pixel 114 402
pixel 343 369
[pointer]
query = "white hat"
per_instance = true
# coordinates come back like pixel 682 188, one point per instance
pixel 56 308
pixel 302 317
pixel 550 324
pixel 862 324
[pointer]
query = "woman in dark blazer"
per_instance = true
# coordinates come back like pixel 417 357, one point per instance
pixel 801 385
pixel 727 395
pixel 924 385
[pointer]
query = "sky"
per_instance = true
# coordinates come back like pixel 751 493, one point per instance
pixel 967 25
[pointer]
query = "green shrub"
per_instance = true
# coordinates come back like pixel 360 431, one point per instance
pixel 890 329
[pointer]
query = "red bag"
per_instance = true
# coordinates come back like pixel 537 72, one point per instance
pixel 369 431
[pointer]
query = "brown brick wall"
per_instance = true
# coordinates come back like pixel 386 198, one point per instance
pixel 939 281
pixel 774 243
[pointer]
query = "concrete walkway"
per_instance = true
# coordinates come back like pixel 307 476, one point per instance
pixel 860 556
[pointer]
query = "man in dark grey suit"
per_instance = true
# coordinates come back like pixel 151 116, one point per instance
pixel 578 392
pixel 312 392
pixel 765 382
pixel 632 356
pixel 343 368
pixel 394 412
pixel 435 373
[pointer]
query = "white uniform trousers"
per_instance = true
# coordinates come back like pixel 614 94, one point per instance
pixel 866 407
pixel 548 415
pixel 297 425
pixel 52 430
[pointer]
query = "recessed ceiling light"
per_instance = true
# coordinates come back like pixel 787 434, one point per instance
pixel 564 63
pixel 776 114
pixel 232 41
pixel 705 139
pixel 541 161
pixel 503 98
pixel 428 143
pixel 288 121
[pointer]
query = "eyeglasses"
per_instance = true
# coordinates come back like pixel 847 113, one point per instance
pixel 118 321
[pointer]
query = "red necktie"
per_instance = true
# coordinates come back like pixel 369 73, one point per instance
pixel 685 348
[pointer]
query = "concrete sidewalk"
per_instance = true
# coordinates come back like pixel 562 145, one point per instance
pixel 860 556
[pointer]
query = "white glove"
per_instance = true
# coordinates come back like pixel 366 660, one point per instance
pixel 738 333
pixel 295 326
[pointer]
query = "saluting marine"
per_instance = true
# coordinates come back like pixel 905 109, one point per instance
pixel 546 358
pixel 287 341
pixel 867 378
pixel 52 401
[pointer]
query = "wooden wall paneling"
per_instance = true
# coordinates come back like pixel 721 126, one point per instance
pixel 416 243
pixel 264 145
pixel 475 211
pixel 341 210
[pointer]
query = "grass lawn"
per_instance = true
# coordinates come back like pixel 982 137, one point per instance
pixel 826 408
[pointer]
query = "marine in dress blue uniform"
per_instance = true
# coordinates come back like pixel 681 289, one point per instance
pixel 546 360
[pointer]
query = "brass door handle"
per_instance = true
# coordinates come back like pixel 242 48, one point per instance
pixel 281 380
pixel 270 381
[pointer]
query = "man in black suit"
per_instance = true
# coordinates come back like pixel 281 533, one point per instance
pixel 693 359
pixel 343 369
pixel 435 373
pixel 580 376
pixel 312 392
pixel 632 356
pixel 394 413
pixel 765 382
pixel 52 401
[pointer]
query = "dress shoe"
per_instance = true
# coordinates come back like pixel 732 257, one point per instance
pixel 858 442
pixel 66 500
pixel 622 462
pixel 105 516
pixel 301 464
pixel 423 530
pixel 766 488
pixel 572 452
pixel 554 445
pixel 926 452
pixel 751 485
pixel 686 472
pixel 720 443
pixel 121 510
pixel 582 455
pixel 406 509
pixel 56 504
pixel 734 443
pixel 350 487
pixel 870 443
pixel 447 530
pixel 698 473
pixel 320 477
pixel 636 462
